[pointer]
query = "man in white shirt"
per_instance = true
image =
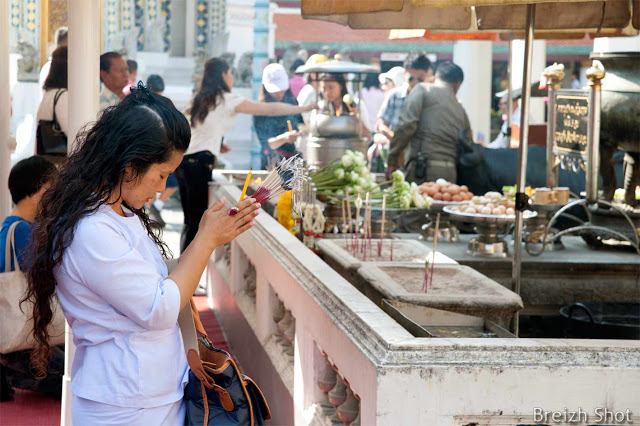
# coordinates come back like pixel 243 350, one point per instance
pixel 114 75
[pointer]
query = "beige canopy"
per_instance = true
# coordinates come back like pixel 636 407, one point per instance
pixel 477 15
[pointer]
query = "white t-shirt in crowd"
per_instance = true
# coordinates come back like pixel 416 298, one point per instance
pixel 373 99
pixel 207 136
pixel 45 110
pixel 123 310
pixel 306 97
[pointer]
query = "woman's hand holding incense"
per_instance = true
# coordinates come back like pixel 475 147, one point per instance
pixel 216 228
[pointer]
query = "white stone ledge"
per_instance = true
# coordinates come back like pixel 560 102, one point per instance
pixel 387 343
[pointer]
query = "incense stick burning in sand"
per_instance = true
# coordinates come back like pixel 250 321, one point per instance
pixel 428 270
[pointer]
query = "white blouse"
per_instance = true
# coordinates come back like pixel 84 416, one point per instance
pixel 207 136
pixel 123 310
pixel 45 110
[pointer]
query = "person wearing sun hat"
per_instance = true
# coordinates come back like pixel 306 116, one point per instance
pixel 395 77
pixel 276 140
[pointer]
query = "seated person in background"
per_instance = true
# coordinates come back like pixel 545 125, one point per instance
pixel 333 89
pixel 28 180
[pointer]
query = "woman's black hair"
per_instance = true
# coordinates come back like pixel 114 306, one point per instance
pixel 28 176
pixel 57 78
pixel 338 78
pixel 211 91
pixel 143 129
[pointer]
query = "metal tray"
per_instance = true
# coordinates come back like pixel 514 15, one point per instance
pixel 486 218
pixel 438 206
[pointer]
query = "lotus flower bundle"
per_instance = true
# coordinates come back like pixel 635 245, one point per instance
pixel 286 176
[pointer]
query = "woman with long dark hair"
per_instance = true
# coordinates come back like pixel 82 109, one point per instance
pixel 213 110
pixel 95 248
pixel 55 100
pixel 333 89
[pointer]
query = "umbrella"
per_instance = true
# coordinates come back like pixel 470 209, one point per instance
pixel 487 15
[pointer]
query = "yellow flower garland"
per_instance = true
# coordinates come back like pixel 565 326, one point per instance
pixel 285 211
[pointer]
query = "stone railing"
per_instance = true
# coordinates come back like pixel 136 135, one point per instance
pixel 323 353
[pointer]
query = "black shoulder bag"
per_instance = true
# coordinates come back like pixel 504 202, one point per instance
pixel 50 139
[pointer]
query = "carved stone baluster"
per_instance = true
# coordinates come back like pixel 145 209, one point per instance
pixel 250 277
pixel 350 409
pixel 289 337
pixel 278 314
pixel 284 324
pixel 337 397
pixel 326 383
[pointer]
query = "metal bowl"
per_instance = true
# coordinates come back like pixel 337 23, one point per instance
pixel 486 218
pixel 325 125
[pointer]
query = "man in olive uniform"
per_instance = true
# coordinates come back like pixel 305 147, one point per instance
pixel 434 126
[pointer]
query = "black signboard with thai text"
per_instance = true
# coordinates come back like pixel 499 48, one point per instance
pixel 571 124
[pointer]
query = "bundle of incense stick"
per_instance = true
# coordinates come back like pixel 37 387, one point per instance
pixel 287 175
pixel 384 208
pixel 428 273
pixel 356 235
pixel 365 226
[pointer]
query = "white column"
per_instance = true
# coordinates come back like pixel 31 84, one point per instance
pixel 475 57
pixel 538 65
pixel 84 62
pixel 5 110
pixel 84 88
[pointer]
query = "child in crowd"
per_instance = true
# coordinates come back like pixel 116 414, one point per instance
pixel 28 180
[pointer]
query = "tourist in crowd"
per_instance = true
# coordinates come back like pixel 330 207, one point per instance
pixel 372 96
pixel 333 89
pixel 296 82
pixel 212 111
pixel 376 154
pixel 391 79
pixel 28 180
pixel 114 75
pixel 434 126
pixel 276 141
pixel 94 247
pixel 155 83
pixel 309 93
pixel 55 100
pixel 132 67
pixel 60 38
pixel 418 68
pixel 575 80
pixel 502 140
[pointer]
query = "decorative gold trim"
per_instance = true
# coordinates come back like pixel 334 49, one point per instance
pixel 44 31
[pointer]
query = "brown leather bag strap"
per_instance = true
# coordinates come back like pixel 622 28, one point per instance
pixel 196 320
pixel 186 321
